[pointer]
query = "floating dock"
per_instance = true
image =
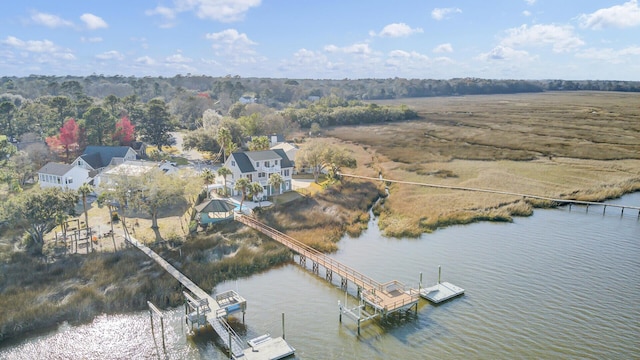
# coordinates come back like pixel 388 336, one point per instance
pixel 441 292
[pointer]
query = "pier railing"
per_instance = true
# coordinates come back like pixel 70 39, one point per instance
pixel 378 295
pixel 312 254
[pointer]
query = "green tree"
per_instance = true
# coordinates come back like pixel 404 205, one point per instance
pixel 100 125
pixel 242 185
pixel 208 176
pixel 259 143
pixel 319 157
pixel 225 140
pixel 7 111
pixel 84 190
pixel 255 189
pixel 224 172
pixel 111 102
pixel 62 108
pixel 39 210
pixel 201 140
pixel 156 125
pixel 155 191
pixel 276 181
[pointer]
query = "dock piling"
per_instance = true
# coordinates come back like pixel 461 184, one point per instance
pixel 283 327
pixel 439 273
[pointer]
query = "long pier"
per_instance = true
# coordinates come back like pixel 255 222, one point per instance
pixel 492 191
pixel 385 298
pixel 214 314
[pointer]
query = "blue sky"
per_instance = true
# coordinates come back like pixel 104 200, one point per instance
pixel 331 39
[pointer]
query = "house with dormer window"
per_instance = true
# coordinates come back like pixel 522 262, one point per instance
pixel 258 166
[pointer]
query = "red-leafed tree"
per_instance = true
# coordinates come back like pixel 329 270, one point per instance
pixel 67 140
pixel 125 132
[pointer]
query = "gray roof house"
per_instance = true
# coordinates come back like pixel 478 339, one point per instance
pixel 63 176
pixel 99 157
pixel 258 166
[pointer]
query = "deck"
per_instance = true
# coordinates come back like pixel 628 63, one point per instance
pixel 214 313
pixel 385 298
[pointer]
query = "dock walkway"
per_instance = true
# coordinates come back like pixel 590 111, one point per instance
pixel 271 348
pixel 385 298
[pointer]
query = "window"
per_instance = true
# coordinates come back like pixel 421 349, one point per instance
pixel 261 175
pixel 286 172
pixel 250 177
pixel 69 181
pixel 233 163
pixel 80 163
pixel 276 162
pixel 266 164
pixel 257 164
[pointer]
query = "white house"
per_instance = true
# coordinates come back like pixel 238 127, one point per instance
pixel 258 166
pixel 99 157
pixel 64 176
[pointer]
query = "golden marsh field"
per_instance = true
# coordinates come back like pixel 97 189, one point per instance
pixel 573 145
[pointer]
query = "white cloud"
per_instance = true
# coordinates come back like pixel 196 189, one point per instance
pixel 93 22
pixel 219 10
pixel 231 40
pixel 237 48
pixel 110 55
pixel 530 2
pixel 611 55
pixel 398 30
pixel 504 53
pixel 408 55
pixel 562 38
pixel 443 48
pixel 42 50
pixel 441 13
pixel 91 39
pixel 48 20
pixel 178 59
pixel 163 11
pixel 620 16
pixel 358 49
pixel 145 60
pixel 526 13
pixel 44 46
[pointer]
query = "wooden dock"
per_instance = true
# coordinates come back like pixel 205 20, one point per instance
pixel 207 309
pixel 384 298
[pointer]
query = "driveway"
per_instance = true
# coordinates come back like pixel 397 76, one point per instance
pixel 191 155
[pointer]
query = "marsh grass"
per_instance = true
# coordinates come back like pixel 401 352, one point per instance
pixel 570 145
pixel 322 219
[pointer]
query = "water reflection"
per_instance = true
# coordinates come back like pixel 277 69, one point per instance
pixel 559 284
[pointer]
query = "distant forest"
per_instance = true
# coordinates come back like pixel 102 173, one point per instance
pixel 154 105
pixel 279 93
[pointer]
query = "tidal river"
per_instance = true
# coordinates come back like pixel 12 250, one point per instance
pixel 561 284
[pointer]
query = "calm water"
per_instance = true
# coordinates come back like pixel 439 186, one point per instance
pixel 559 284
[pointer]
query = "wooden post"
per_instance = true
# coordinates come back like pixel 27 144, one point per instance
pixel 420 283
pixel 164 348
pixel 587 207
pixel 340 308
pixel 230 349
pixel 439 273
pixel 283 326
pixel 605 209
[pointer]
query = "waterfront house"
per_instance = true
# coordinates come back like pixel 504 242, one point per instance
pixel 258 166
